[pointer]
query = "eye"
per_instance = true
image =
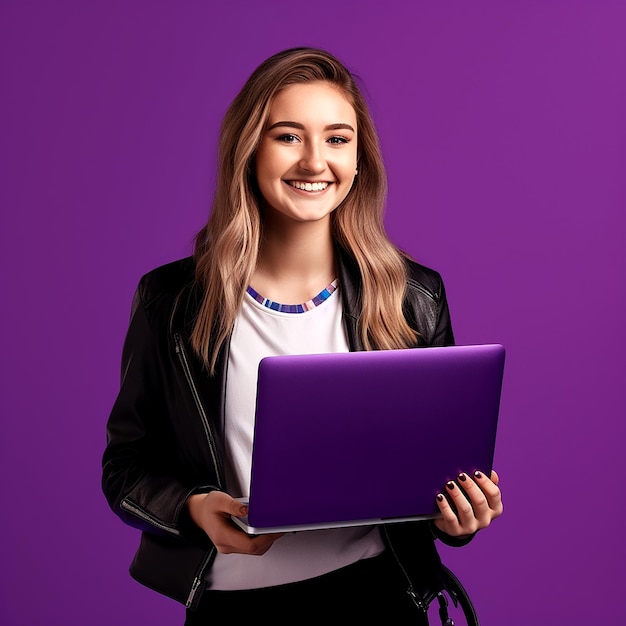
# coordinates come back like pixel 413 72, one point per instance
pixel 287 138
pixel 337 140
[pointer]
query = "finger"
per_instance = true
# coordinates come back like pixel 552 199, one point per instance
pixel 449 522
pixel 238 508
pixel 257 545
pixel 493 477
pixel 227 505
pixel 463 507
pixel 231 539
pixel 477 498
pixel 262 543
pixel 491 491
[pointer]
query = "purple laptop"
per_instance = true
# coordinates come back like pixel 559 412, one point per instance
pixel 360 438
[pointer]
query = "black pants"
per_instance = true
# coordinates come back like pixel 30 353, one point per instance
pixel 370 591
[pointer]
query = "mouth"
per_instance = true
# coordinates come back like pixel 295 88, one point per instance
pixel 308 185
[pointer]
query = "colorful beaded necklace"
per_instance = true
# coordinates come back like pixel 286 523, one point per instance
pixel 295 308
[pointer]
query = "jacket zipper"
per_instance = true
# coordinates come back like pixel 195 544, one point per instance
pixel 419 602
pixel 135 510
pixel 198 580
pixel 182 355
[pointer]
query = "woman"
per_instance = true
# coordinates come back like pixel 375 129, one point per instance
pixel 296 219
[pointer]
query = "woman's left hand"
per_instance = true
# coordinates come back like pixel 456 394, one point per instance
pixel 471 502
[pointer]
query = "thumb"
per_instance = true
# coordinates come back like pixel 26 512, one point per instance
pixel 237 508
pixel 225 504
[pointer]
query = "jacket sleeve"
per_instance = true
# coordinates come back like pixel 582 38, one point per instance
pixel 138 480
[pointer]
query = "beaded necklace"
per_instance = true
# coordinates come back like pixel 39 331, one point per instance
pixel 295 308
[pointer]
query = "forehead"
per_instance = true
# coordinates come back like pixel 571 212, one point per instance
pixel 314 102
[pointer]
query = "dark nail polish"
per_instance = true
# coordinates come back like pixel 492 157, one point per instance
pixel 450 485
pixel 462 477
pixel 478 474
pixel 440 497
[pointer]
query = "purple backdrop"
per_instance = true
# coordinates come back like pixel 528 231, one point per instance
pixel 503 129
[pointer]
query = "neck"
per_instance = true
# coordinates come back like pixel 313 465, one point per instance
pixel 295 264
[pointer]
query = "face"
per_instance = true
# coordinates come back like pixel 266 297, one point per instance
pixel 306 160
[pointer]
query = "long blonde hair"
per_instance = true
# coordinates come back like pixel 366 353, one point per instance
pixel 226 248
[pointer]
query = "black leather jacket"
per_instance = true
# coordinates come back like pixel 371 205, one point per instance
pixel 165 434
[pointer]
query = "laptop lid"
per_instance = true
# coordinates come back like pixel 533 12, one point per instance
pixel 371 437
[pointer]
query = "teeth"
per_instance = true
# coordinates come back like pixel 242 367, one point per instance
pixel 309 186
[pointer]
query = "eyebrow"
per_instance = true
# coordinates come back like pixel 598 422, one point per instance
pixel 340 126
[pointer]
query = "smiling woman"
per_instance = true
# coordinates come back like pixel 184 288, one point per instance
pixel 293 259
pixel 305 166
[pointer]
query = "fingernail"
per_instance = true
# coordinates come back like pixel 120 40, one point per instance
pixel 478 474
pixel 440 497
pixel 450 485
pixel 462 477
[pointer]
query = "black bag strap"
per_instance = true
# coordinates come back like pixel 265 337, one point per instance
pixel 458 594
pixel 453 589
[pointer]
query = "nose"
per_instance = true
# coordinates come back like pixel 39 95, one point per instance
pixel 312 159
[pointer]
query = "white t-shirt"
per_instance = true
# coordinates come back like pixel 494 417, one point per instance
pixel 261 331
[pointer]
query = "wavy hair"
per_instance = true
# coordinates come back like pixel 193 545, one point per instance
pixel 226 248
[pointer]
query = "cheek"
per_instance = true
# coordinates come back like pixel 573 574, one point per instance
pixel 350 163
pixel 349 170
pixel 268 166
pixel 261 170
pixel 266 177
pixel 264 185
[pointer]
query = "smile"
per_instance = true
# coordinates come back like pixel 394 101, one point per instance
pixel 320 186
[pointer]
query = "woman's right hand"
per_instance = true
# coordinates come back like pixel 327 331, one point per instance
pixel 212 512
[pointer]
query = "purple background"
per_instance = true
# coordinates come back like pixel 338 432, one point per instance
pixel 503 127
